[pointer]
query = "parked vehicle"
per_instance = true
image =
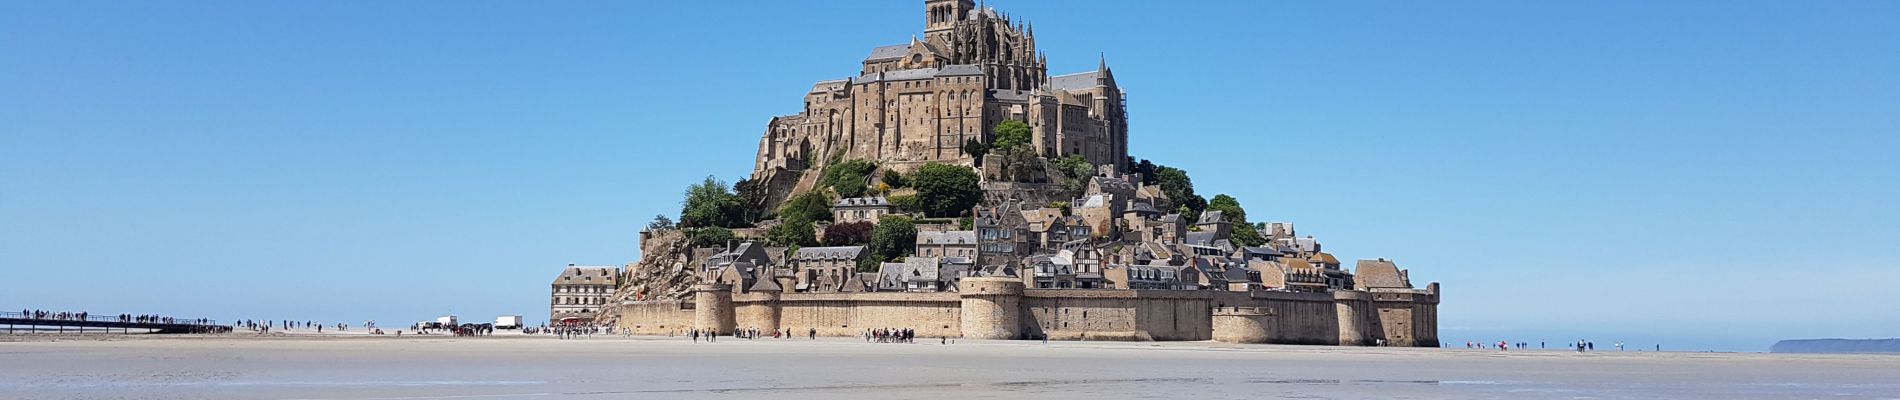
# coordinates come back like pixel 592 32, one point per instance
pixel 508 322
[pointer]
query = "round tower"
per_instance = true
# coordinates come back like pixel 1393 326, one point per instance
pixel 712 307
pixel 1251 325
pixel 1355 326
pixel 991 307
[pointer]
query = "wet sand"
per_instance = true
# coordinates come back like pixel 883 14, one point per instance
pixel 381 367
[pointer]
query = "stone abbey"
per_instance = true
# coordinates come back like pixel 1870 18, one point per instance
pixel 921 101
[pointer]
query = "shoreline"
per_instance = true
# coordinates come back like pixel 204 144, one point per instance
pixel 836 368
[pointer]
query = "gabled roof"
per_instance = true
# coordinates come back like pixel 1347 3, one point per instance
pixel 580 275
pixel 874 201
pixel 946 237
pixel 828 253
pixel 1076 81
pixel 890 52
pixel 765 284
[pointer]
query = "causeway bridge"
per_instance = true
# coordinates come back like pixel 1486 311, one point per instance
pixel 14 322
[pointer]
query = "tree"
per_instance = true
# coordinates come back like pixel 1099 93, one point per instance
pixel 906 203
pixel 976 149
pixel 712 236
pixel 812 206
pixel 1011 134
pixel 894 237
pixel 752 197
pixel 708 204
pixel 848 234
pixel 1180 191
pixel 1147 170
pixel 793 230
pixel 660 222
pixel 1230 211
pixel 895 180
pixel 946 190
pixel 1076 172
pixel 1229 208
pixel 847 178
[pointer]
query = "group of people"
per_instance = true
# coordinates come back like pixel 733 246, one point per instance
pixel 125 318
pixel 1580 346
pixel 746 333
pixel 267 326
pixel 890 335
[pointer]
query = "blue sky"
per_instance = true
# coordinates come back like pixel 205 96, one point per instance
pixel 1699 174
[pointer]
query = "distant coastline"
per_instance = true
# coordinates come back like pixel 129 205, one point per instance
pixel 1837 346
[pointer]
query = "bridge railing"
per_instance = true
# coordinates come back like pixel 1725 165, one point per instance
pixel 133 319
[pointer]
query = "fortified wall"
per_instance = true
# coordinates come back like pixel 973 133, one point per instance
pixel 1001 308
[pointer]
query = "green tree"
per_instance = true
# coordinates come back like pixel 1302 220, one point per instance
pixel 894 237
pixel 1011 134
pixel 848 178
pixel 976 149
pixel 966 223
pixel 793 230
pixel 895 180
pixel 1230 211
pixel 1180 191
pixel 660 221
pixel 708 204
pixel 711 236
pixel 812 206
pixel 946 190
pixel 752 198
pixel 1076 172
pixel 906 203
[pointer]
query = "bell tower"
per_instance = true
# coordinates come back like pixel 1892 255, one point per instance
pixel 941 16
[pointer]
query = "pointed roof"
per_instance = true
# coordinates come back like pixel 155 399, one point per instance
pixel 765 284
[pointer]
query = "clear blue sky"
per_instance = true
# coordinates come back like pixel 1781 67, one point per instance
pixel 1703 174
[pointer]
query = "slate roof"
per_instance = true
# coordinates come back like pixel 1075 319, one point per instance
pixel 577 275
pixel 1077 81
pixel 1144 209
pixel 890 52
pixel 828 253
pixel 946 237
pixel 878 201
pixel 960 70
pixel 1380 274
pixel 765 285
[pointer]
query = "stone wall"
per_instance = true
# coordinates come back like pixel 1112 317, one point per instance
pixel 849 314
pixel 1000 308
pixel 670 317
pixel 1084 314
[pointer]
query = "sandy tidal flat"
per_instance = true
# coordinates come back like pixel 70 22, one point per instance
pixel 238 367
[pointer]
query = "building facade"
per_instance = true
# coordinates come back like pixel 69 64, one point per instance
pixel 580 291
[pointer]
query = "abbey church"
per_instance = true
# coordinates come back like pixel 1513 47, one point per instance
pixel 921 101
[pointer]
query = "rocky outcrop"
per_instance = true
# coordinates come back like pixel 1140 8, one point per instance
pixel 665 269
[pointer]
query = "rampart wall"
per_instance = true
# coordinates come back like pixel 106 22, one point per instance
pixel 996 308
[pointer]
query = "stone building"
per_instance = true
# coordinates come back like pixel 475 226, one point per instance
pixel 826 269
pixel 580 291
pixel 947 244
pixel 920 101
pixel 861 209
pixel 1002 235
